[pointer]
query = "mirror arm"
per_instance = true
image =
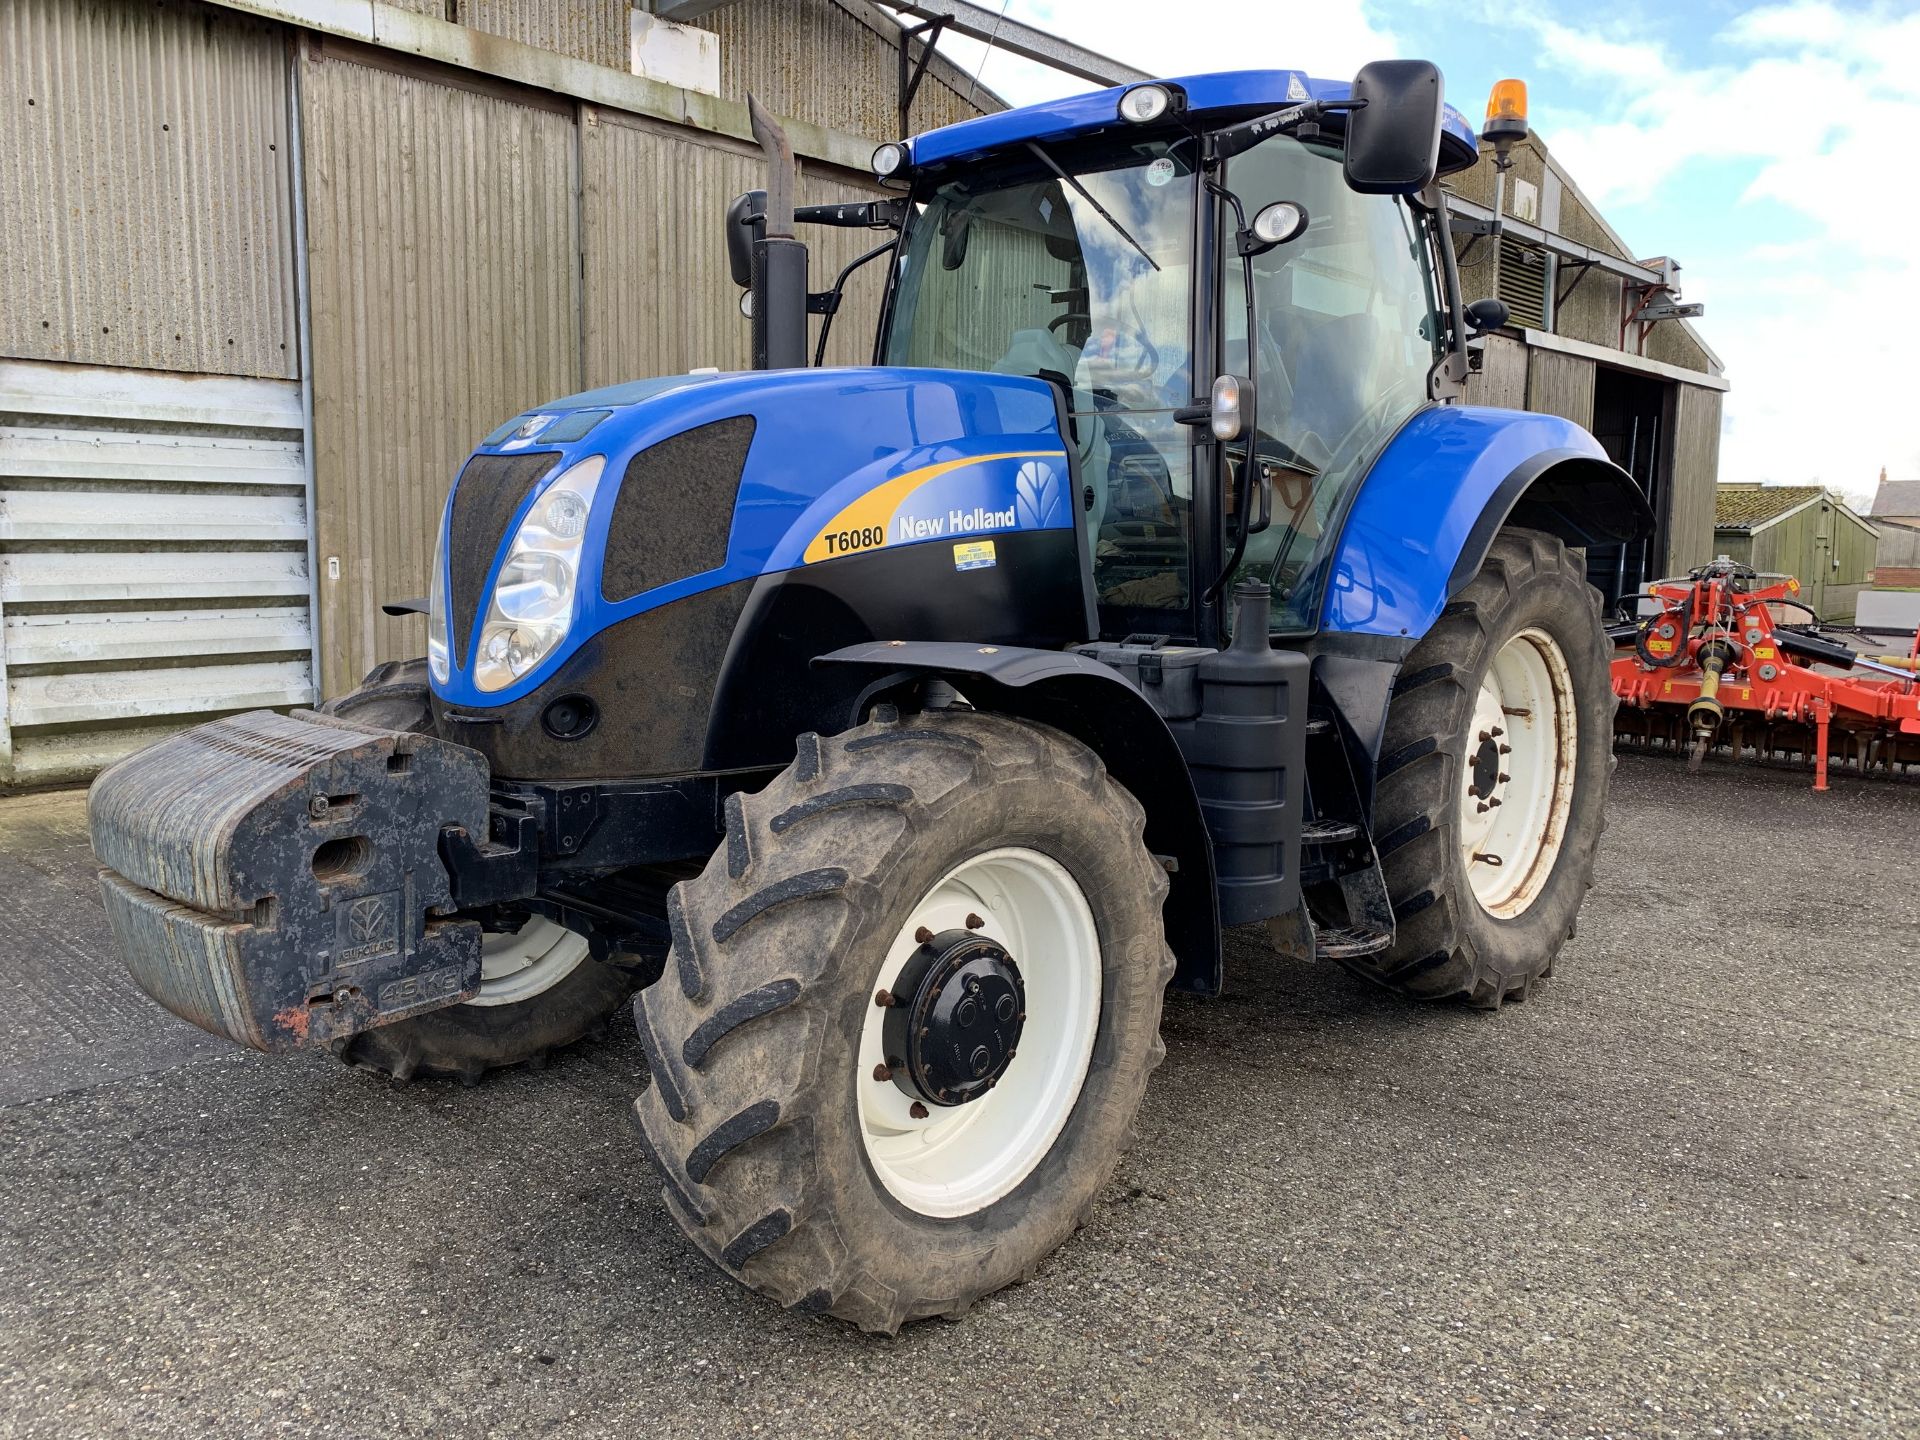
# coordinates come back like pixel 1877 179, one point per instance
pixel 866 215
pixel 829 302
pixel 1249 133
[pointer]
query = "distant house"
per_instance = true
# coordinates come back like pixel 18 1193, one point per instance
pixel 1801 530
pixel 1896 500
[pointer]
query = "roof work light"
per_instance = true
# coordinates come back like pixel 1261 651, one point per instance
pixel 1145 103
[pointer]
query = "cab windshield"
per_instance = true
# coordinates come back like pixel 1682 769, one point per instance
pixel 1016 271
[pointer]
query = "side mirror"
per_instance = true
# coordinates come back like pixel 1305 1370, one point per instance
pixel 1393 133
pixel 1487 314
pixel 741 233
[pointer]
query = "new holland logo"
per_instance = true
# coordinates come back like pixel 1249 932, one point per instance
pixel 368 928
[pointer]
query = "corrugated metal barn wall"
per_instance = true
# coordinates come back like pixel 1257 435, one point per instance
pixel 443 251
pixel 658 296
pixel 831 63
pixel 144 210
pixel 153 520
pixel 474 250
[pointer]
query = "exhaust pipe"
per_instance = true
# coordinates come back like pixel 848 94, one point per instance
pixel 779 283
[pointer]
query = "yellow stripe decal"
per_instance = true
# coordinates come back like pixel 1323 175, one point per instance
pixel 866 523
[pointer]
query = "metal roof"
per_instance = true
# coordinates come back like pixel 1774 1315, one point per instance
pixel 1245 91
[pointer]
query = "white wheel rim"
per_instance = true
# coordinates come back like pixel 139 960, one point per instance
pixel 518 965
pixel 959 1159
pixel 1521 760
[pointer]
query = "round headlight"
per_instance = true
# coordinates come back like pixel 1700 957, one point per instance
pixel 1144 103
pixel 1279 222
pixel 888 158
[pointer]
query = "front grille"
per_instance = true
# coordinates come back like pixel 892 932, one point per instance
pixel 674 512
pixel 486 497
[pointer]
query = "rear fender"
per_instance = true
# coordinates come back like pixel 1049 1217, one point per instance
pixel 1425 516
pixel 1093 703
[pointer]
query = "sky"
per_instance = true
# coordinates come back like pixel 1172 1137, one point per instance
pixel 1771 149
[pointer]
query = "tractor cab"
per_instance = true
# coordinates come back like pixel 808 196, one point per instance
pixel 1124 246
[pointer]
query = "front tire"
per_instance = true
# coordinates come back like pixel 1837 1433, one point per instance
pixel 781 1116
pixel 1493 777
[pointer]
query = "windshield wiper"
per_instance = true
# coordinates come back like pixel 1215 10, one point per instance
pixel 1081 190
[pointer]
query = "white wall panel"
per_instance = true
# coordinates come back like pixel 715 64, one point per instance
pixel 153 559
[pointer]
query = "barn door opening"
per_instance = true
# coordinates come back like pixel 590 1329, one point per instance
pixel 1632 415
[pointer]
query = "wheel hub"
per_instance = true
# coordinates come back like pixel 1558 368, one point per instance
pixel 958 1008
pixel 1486 768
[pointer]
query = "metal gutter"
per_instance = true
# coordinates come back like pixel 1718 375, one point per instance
pixel 1547 340
pixel 393 28
pixel 980 23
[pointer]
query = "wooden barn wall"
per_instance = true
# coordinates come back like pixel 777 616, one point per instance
pixel 1696 468
pixel 1561 385
pixel 145 211
pixel 444 263
pixel 1502 377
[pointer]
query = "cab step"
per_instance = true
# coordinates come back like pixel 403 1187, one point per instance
pixel 1342 942
pixel 1329 832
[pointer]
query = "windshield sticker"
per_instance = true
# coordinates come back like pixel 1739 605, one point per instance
pixel 951 500
pixel 1160 171
pixel 1296 91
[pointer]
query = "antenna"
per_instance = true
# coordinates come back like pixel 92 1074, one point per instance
pixel 981 68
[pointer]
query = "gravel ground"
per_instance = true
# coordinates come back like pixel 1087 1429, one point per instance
pixel 1671 1195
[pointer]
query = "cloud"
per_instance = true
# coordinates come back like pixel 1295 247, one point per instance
pixel 1812 278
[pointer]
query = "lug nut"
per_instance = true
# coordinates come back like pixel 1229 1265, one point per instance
pixel 1497 732
pixel 1481 808
pixel 917 1110
pixel 318 806
pixel 974 922
pixel 884 999
pixel 1504 777
pixel 922 935
pixel 882 1073
pixel 1494 801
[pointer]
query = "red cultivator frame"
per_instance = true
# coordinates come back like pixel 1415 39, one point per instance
pixel 1712 667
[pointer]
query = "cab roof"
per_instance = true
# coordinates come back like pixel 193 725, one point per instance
pixel 1219 98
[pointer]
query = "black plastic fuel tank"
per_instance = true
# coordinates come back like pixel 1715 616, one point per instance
pixel 1246 750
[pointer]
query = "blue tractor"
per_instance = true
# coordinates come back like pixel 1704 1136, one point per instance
pixel 892 737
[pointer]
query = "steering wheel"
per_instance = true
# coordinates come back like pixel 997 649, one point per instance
pixel 1069 318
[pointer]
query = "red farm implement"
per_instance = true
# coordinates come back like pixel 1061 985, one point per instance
pixel 1714 667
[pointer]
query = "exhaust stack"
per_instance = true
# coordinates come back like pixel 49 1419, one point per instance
pixel 779 283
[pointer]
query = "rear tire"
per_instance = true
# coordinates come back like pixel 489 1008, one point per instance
pixel 1481 913
pixel 568 995
pixel 775 1136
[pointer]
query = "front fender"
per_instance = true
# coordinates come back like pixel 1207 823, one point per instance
pixel 1095 704
pixel 1427 511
